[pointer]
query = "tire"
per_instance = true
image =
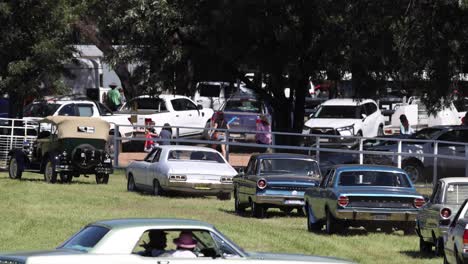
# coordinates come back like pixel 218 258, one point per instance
pixel 66 177
pixel 439 247
pixel 312 227
pixel 224 196
pixel 239 209
pixel 424 247
pixel 414 170
pixel 50 175
pixel 258 210
pixel 102 178
pixel 15 170
pixel 157 190
pixel 131 184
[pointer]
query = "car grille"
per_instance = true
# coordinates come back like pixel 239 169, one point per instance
pixel 289 188
pixel 380 202
pixel 323 131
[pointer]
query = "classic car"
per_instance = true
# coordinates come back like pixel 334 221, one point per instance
pixel 456 238
pixel 363 195
pixel 421 168
pixel 65 146
pixel 184 169
pixel 434 218
pixel 123 241
pixel 274 180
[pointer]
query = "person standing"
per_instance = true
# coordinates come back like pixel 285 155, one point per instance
pixel 166 133
pixel 405 128
pixel 264 127
pixel 220 123
pixel 113 97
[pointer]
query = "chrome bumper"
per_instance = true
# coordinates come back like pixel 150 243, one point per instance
pixel 199 188
pixel 376 215
pixel 280 200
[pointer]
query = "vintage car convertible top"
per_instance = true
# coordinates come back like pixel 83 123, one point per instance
pixel 66 146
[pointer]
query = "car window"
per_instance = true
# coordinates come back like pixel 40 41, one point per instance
pixel 157 155
pixel 86 238
pixel 330 180
pixel 456 193
pixel 189 105
pixel 370 108
pixel 373 178
pixel 325 179
pixel 247 105
pixel 178 105
pixel 337 111
pixel 85 110
pixel 151 155
pixel 195 155
pixel 67 110
pixel 225 249
pixel 40 109
pixel 289 166
pixel 435 199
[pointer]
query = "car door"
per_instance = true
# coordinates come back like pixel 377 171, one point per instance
pixel 141 169
pixel 154 170
pixel 322 194
pixel 182 116
pixel 369 126
pixel 448 166
pixel 196 116
pixel 428 217
pixel 456 230
pixel 243 182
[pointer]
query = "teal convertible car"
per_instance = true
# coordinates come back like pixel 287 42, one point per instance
pixel 363 195
pixel 127 241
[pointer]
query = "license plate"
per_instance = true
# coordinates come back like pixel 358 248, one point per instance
pixel 202 186
pixel 298 202
pixel 380 217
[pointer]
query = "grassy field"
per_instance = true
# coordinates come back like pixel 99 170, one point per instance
pixel 35 215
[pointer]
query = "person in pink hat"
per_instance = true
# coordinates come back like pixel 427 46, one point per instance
pixel 185 245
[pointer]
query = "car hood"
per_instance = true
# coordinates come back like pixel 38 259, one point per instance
pixel 330 122
pixel 377 191
pixel 198 167
pixel 294 257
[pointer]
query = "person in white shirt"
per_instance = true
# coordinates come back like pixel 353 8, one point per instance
pixel 405 128
pixel 185 245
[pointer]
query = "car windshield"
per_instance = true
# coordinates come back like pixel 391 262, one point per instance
pixel 40 109
pixel 427 133
pixel 337 111
pixel 250 106
pixel 194 155
pixel 289 166
pixel 456 193
pixel 86 238
pixel 373 178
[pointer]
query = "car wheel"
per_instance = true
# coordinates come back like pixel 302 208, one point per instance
pixel 14 168
pixel 224 196
pixel 424 247
pixel 131 184
pixel 312 227
pixel 50 175
pixel 258 210
pixel 102 178
pixel 237 205
pixel 66 177
pixel 157 191
pixel 439 247
pixel 414 170
pixel 331 226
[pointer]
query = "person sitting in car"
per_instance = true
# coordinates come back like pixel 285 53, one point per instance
pixel 185 246
pixel 156 245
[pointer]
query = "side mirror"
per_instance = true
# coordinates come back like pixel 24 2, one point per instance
pixel 199 107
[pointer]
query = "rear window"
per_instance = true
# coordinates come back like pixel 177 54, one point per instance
pixel 86 238
pixel 250 106
pixel 40 110
pixel 373 178
pixel 189 155
pixel 456 193
pixel 146 103
pixel 209 90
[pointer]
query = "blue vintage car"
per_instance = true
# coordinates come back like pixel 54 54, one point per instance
pixel 363 195
pixel 275 181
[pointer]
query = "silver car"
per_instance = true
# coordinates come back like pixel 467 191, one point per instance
pixel 126 241
pixel 183 169
pixel 434 219
pixel 456 239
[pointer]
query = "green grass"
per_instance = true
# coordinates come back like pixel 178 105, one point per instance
pixel 36 215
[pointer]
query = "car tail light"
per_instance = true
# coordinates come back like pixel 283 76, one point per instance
pixel 465 236
pixel 261 184
pixel 343 201
pixel 419 202
pixel 445 213
pixel 148 121
pixel 388 132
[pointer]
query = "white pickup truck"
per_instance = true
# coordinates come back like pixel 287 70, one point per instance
pixel 77 107
pixel 175 110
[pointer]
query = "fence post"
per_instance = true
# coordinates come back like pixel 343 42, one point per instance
pixel 116 145
pixel 177 135
pixel 317 150
pixel 434 169
pixel 226 141
pixel 466 160
pixel 361 155
pixel 399 154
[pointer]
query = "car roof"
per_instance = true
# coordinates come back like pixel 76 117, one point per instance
pixel 366 167
pixel 281 156
pixel 138 222
pixel 185 147
pixel 347 101
pixel 449 180
pixel 162 96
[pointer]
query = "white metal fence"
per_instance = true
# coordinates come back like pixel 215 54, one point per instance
pixel 13 134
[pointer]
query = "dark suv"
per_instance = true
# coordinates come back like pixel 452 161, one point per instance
pixel 66 147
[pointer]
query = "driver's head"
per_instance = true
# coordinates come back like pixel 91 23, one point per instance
pixel 157 239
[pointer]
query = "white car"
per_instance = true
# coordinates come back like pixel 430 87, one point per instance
pixel 346 117
pixel 184 169
pixel 126 241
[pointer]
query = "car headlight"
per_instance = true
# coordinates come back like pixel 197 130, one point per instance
pixel 346 131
